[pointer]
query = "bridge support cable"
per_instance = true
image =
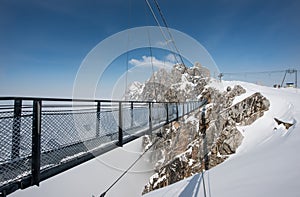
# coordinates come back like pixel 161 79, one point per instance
pixel 204 188
pixel 162 31
pixel 159 135
pixel 170 35
pixel 152 66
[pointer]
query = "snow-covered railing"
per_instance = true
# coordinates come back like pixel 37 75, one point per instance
pixel 41 137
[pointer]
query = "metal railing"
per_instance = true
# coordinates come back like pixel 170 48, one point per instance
pixel 41 137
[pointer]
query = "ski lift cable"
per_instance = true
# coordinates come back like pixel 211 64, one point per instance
pixel 126 171
pixel 258 72
pixel 166 25
pixel 261 72
pixel 161 30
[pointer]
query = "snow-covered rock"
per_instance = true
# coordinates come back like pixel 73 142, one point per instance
pixel 178 84
pixel 206 137
pixel 266 162
pixel 190 150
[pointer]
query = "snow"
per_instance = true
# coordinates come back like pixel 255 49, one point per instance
pixel 266 163
pixel 95 176
pixel 185 83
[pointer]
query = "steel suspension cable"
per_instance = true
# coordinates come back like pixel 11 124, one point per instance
pixel 126 171
pixel 166 25
pixel 161 30
pixel 152 67
pixel 127 52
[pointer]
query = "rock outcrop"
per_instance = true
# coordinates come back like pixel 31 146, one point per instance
pixel 204 138
pixel 178 85
pixel 204 145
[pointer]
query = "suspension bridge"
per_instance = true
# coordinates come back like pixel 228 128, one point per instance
pixel 42 137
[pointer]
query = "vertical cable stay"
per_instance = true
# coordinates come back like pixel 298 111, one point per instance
pixel 152 67
pixel 162 32
pixel 126 171
pixel 127 52
pixel 127 67
pixel 166 25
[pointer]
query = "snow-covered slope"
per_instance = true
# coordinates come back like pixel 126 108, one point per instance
pixel 267 162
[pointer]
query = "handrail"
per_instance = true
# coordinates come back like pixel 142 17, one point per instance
pixel 82 100
pixel 38 141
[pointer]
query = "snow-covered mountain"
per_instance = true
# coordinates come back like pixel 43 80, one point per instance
pixel 134 91
pixel 265 164
pixel 178 84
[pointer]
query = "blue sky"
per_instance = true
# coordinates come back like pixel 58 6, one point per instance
pixel 42 43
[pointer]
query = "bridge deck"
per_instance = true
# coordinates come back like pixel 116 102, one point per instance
pixel 40 138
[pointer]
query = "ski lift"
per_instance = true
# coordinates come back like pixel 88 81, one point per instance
pixel 289 85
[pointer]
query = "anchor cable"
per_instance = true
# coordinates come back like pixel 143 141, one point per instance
pixel 126 171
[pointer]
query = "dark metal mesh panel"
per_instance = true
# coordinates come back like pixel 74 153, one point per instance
pixel 109 123
pixel 67 134
pixel 26 130
pixel 159 113
pixel 6 123
pixel 180 109
pixel 135 119
pixel 140 117
pixel 15 146
pixel 172 111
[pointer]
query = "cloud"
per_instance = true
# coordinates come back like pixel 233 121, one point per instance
pixel 163 44
pixel 171 58
pixel 148 61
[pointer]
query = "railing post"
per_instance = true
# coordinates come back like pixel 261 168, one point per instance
pixel 98 118
pixel 187 108
pixel 182 109
pixel 203 121
pixel 120 143
pixel 36 141
pixel 150 119
pixel 131 114
pixel 167 110
pixel 16 132
pixel 177 112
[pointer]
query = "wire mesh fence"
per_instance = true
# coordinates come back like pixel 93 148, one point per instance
pixel 68 129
